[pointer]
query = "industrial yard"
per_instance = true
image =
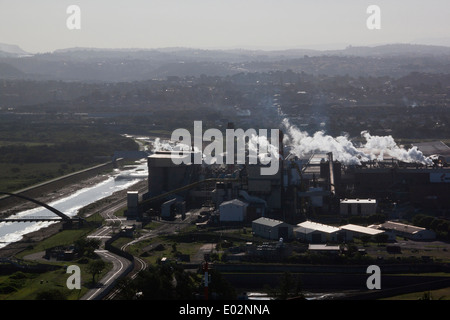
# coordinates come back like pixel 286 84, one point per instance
pixel 316 216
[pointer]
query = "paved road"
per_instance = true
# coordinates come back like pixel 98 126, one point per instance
pixel 120 265
pixel 166 227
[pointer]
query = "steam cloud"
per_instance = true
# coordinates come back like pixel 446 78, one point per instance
pixel 159 145
pixel 375 148
pixel 343 149
pixel 255 145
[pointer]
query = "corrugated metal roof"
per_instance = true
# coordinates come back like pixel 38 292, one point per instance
pixel 361 229
pixel 235 202
pixel 268 222
pixel 390 225
pixel 323 247
pixel 358 201
pixel 309 226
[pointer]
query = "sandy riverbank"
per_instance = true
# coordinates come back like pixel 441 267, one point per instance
pixel 67 190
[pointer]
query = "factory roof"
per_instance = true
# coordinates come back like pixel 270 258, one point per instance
pixel 433 147
pixel 309 226
pixel 396 226
pixel 268 222
pixel 361 229
pixel 323 247
pixel 358 201
pixel 236 202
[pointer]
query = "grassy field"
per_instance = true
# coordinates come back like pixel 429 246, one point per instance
pixel 152 250
pixel 27 286
pixel 33 154
pixel 14 177
pixel 65 237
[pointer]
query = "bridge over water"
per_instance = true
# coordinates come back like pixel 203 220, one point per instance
pixel 60 216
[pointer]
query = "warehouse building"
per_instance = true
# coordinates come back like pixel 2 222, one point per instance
pixel 233 211
pixel 323 248
pixel 314 232
pixel 408 231
pixel 354 231
pixel 272 229
pixel 364 207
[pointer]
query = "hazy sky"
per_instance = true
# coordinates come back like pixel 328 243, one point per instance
pixel 40 26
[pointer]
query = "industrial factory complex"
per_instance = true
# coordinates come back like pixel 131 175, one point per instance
pixel 307 199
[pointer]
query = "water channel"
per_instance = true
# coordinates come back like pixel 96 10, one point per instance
pixel 118 180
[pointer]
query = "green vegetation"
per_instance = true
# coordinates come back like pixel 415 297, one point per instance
pixel 171 282
pixel 290 286
pixel 95 268
pixel 63 238
pixel 51 285
pixel 33 154
pixel 438 225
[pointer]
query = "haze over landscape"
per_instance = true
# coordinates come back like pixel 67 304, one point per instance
pixel 356 100
pixel 41 26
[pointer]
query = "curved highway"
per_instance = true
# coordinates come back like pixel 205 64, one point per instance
pixel 120 265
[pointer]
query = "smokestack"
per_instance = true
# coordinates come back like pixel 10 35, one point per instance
pixel 331 164
pixel 280 144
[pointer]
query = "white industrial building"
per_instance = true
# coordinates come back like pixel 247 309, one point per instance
pixel 354 231
pixel 314 232
pixel 233 211
pixel 364 207
pixel 271 229
pixel 408 231
pixel 323 248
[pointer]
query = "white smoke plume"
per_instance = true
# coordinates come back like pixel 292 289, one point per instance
pixel 375 148
pixel 261 146
pixel 386 145
pixel 166 145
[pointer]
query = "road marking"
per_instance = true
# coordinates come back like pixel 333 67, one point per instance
pixel 99 237
pixel 105 253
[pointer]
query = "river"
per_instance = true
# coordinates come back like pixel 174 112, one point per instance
pixel 118 180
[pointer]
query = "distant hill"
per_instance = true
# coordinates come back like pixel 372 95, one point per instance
pixel 111 65
pixel 11 50
pixel 233 55
pixel 395 49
